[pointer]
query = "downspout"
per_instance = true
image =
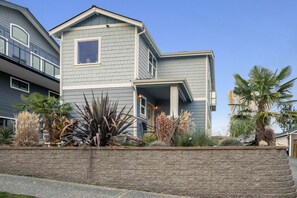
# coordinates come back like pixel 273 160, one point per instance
pixel 134 86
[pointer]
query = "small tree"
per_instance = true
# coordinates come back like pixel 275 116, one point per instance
pixel 267 90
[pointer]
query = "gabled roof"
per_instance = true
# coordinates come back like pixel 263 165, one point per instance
pixel 56 31
pixel 85 14
pixel 26 12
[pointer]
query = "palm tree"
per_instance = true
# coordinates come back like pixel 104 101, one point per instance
pixel 266 90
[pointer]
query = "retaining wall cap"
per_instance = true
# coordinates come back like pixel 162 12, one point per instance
pixel 150 148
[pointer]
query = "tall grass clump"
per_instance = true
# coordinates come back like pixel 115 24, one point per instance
pixel 27 128
pixel 231 142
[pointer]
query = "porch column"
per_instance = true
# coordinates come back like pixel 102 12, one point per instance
pixel 174 100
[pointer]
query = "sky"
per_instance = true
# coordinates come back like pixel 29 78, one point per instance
pixel 242 33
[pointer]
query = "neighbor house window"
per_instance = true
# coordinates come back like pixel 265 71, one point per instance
pixel 53 94
pixel 87 51
pixel 19 85
pixel 143 106
pixel 3 45
pixel 152 67
pixel 20 35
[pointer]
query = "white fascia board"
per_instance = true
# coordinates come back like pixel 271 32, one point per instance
pixel 185 54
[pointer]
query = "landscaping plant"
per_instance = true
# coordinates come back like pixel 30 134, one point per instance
pixel 27 128
pixel 165 128
pixel 196 138
pixel 267 90
pixel 62 127
pixel 101 120
pixel 149 138
pixel 6 135
pixel 47 107
pixel 231 142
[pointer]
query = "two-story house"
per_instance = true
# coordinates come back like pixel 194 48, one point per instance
pixel 29 59
pixel 102 51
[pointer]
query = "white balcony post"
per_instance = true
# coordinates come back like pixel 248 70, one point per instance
pixel 174 101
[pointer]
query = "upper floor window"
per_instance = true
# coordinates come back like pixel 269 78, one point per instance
pixel 152 67
pixel 19 85
pixel 20 35
pixel 87 51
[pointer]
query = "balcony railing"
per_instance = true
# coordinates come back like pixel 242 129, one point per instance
pixel 28 58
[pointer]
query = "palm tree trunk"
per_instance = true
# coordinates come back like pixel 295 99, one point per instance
pixel 260 132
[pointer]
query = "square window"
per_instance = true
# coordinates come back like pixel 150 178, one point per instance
pixel 87 51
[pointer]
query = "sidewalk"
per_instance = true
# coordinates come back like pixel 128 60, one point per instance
pixel 45 188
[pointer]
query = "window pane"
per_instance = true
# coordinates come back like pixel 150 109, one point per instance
pixel 150 58
pixel 52 94
pixel 20 35
pixel 142 110
pixel 154 72
pixel 20 85
pixel 150 68
pixel 88 52
pixel 142 101
pixel 154 62
pixel 35 62
pixel 48 68
pixel 2 46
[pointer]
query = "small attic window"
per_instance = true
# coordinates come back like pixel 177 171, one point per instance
pixel 87 51
pixel 20 35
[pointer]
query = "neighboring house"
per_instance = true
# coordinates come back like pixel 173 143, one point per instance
pixel 102 51
pixel 29 59
pixel 289 139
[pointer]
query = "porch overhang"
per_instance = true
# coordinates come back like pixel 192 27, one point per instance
pixel 153 85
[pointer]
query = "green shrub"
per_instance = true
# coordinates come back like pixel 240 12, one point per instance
pixel 6 135
pixel 231 142
pixel 196 139
pixel 241 126
pixel 149 138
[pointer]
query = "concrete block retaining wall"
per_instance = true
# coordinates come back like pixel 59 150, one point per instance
pixel 198 172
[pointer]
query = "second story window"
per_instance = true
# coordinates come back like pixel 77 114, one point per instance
pixel 87 51
pixel 53 94
pixel 152 64
pixel 19 85
pixel 20 35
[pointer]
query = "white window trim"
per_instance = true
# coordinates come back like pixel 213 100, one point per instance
pixel 28 91
pixel 6 43
pixel 49 91
pixel 145 107
pixel 12 24
pixel 148 64
pixel 76 51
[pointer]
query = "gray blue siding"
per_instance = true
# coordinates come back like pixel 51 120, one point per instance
pixel 143 72
pixel 10 96
pixel 191 68
pixel 117 57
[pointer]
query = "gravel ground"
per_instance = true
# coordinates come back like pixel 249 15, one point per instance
pixel 45 188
